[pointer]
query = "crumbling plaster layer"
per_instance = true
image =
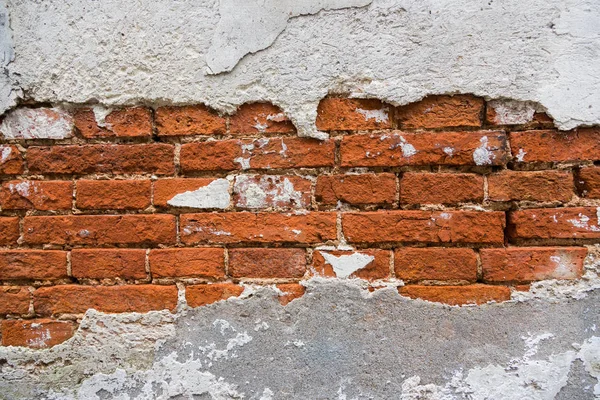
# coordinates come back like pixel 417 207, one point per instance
pixel 155 51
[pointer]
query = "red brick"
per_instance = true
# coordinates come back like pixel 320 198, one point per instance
pixel 125 122
pixel 108 263
pixel 193 263
pixel 588 182
pixel 457 295
pixel 290 291
pixel 113 194
pixel 424 188
pixel 102 158
pixel 441 112
pixel 424 227
pixel 100 229
pixel 426 148
pixel 33 264
pixel 9 230
pixel 244 227
pixel 553 146
pixel 260 118
pixel 531 186
pixel 336 114
pixel 263 191
pixel 356 189
pixel 378 268
pixel 188 120
pixel 37 195
pixel 257 154
pixel 201 295
pixel 510 112
pixel 37 333
pixel 11 160
pixel 14 300
pixel 267 263
pixel 526 264
pixel 76 299
pixel 166 189
pixel 554 223
pixel 439 264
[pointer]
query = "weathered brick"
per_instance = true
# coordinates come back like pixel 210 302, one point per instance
pixel 113 194
pixel 37 195
pixel 532 186
pixel 9 230
pixel 356 189
pixel 100 229
pixel 244 227
pixel 200 295
pixel 442 188
pixel 257 154
pixel 76 299
pixel 37 333
pixel 427 148
pixel 554 146
pixel 377 263
pixel 588 182
pixel 124 122
pixel 37 123
pixel 441 112
pixel 14 300
pixel 554 223
pixel 189 120
pixel 457 295
pixel 290 291
pixel 33 264
pixel 11 160
pixel 108 263
pixel 526 264
pixel 260 118
pixel 336 114
pixel 102 158
pixel 267 263
pixel 509 112
pixel 192 193
pixel 193 263
pixel 439 264
pixel 424 227
pixel 263 191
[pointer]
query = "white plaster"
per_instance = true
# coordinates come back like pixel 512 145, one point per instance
pixel 448 150
pixel 379 116
pixel 9 89
pixel 347 264
pixel 583 223
pixel 214 354
pixel 263 191
pixel 408 150
pixel 6 152
pixel 37 123
pixel 244 162
pixel 590 355
pixel 521 155
pixel 40 341
pixel 22 188
pixel 213 195
pixel 482 155
pixel 100 114
pixel 511 112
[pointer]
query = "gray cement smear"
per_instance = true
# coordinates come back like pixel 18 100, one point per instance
pixel 165 52
pixel 338 341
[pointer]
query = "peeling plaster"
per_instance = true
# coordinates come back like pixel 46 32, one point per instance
pixel 347 264
pixel 213 195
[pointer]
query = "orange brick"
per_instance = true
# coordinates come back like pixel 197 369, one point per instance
pixel 424 227
pixel 588 182
pixel 336 114
pixel 37 333
pixel 531 186
pixel 188 120
pixel 260 118
pixel 14 300
pixel 441 112
pixel 125 122
pixel 457 295
pixel 11 160
pixel 37 195
pixel 264 191
pixel 424 188
pixel 225 155
pixel 9 230
pixel 554 223
pixel 245 227
pixel 102 158
pixel 526 264
pixel 290 291
pixel 76 299
pixel 113 194
pixel 356 189
pixel 553 146
pixel 267 263
pixel 427 148
pixel 108 263
pixel 33 264
pixel 99 230
pixel 439 264
pixel 201 295
pixel 194 263
pixel 377 268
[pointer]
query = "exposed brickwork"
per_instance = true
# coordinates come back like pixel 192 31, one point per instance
pixel 441 112
pixel 554 223
pixel 108 263
pixel 554 146
pixel 194 263
pixel 37 334
pixel 260 118
pixel 588 182
pixel 531 186
pixel 290 291
pixel 188 120
pixel 113 194
pixel 378 268
pixel 438 264
pixel 36 195
pixel 14 300
pixel 267 263
pixel 32 264
pixel 11 160
pixel 200 295
pixel 457 295
pixel 420 188
pixel 356 189
pixel 125 123
pixel 353 114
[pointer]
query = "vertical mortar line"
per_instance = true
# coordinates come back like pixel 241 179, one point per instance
pixel 147 265
pixel 479 266
pixel 226 262
pixel 338 226
pixel 31 309
pixel 486 193
pixel 177 159
pixel 69 265
pixel 398 188
pixel 392 262
pixel 74 196
pixel 337 156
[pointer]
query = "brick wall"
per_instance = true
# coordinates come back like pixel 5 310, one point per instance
pixel 119 210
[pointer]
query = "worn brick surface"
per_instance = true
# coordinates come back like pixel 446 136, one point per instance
pixel 124 122
pixel 36 195
pixel 377 268
pixel 108 263
pixel 554 223
pixel 552 146
pixel 189 120
pixel 457 295
pixel 441 112
pixel 532 186
pixel 33 264
pixel 432 263
pixel 194 263
pixel 356 189
pixel 37 333
pixel 200 295
pixel 113 194
pixel 260 118
pixel 267 263
pixel 353 114
pixel 440 188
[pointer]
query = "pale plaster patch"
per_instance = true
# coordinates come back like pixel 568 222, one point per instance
pixel 521 155
pixel 380 116
pixel 262 191
pixel 6 152
pixel 37 123
pixel 213 195
pixel 347 264
pixel 100 114
pixel 511 112
pixel 408 150
pixel 482 155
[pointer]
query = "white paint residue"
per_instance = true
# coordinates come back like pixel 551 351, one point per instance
pixel 448 150
pixel 482 155
pixel 22 188
pixel 564 268
pixel 244 162
pixel 223 325
pixel 263 191
pixel 260 127
pixel 37 123
pixel 100 114
pixel 214 195
pixel 583 223
pixel 408 150
pixel 267 394
pixel 521 155
pixel 279 117
pixel 512 112
pixel 590 355
pixel 40 341
pixel 247 148
pixel 214 354
pixel 379 116
pixel 345 265
pixel 6 151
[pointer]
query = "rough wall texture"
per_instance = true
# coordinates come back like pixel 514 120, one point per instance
pixel 168 232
